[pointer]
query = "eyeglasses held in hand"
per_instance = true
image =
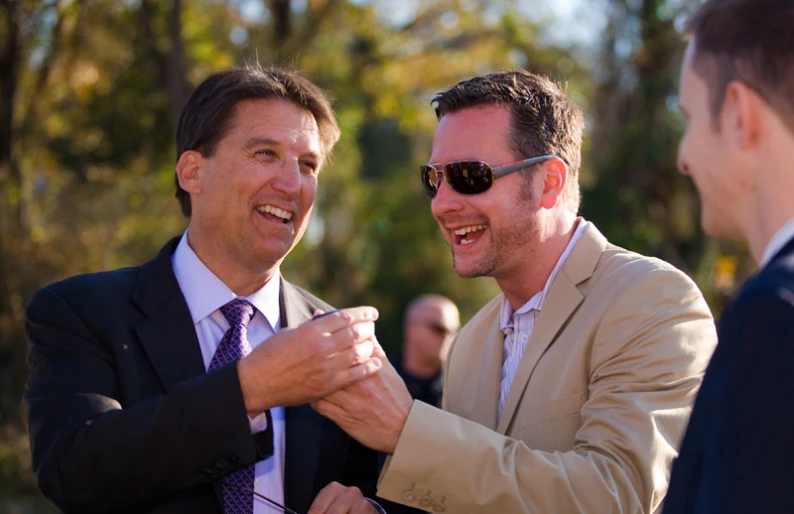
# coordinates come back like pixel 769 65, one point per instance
pixel 271 502
pixel 472 177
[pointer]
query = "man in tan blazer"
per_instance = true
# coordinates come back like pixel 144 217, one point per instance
pixel 570 391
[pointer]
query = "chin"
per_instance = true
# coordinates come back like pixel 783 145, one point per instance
pixel 473 270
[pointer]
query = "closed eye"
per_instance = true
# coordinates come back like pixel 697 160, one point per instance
pixel 266 153
pixel 310 166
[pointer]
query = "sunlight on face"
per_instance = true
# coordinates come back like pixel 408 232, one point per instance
pixel 705 154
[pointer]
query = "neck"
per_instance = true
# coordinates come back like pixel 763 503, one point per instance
pixel 241 279
pixel 418 367
pixel 771 218
pixel 532 272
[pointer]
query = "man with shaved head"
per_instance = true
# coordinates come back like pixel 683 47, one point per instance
pixel 431 322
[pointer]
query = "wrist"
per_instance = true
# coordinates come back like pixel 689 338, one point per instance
pixel 399 426
pixel 255 402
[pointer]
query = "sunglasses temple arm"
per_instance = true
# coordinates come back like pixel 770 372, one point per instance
pixel 501 171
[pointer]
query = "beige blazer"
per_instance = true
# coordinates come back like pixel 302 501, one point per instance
pixel 597 408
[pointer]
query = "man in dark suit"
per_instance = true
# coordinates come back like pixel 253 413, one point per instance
pixel 181 386
pixel 737 91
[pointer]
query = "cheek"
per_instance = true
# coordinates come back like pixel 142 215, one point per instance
pixel 308 191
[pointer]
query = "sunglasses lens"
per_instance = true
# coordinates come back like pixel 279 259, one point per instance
pixel 469 177
pixel 429 180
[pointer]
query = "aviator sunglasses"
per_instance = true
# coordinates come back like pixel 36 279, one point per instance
pixel 471 177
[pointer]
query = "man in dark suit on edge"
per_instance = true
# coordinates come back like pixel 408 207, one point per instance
pixel 149 390
pixel 737 91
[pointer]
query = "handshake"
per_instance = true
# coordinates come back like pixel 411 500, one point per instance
pixel 335 363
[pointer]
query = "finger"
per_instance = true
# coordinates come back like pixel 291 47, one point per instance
pixel 343 318
pixel 377 351
pixel 325 498
pixel 363 506
pixel 349 336
pixel 343 503
pixel 355 374
pixel 352 356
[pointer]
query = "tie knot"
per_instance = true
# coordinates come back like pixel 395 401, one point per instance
pixel 238 312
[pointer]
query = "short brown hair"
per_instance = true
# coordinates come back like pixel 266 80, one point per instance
pixel 207 115
pixel 747 40
pixel 544 120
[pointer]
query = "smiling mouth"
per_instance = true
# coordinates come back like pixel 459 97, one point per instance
pixel 470 234
pixel 274 213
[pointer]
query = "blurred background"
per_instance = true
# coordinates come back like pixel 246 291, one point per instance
pixel 90 91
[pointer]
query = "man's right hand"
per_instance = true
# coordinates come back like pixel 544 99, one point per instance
pixel 303 364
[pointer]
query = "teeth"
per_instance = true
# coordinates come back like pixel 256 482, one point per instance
pixel 471 228
pixel 274 211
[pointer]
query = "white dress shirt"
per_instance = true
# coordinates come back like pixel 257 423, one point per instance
pixel 205 294
pixel 517 325
pixel 778 241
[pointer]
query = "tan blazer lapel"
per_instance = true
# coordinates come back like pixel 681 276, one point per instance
pixel 562 300
pixel 478 368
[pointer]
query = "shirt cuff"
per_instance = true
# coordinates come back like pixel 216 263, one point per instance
pixel 375 504
pixel 259 423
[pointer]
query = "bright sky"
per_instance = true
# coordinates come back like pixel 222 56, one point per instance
pixel 569 21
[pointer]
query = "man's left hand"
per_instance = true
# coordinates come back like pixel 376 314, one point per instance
pixel 372 411
pixel 338 499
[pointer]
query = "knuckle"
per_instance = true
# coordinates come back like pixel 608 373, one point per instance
pixel 347 317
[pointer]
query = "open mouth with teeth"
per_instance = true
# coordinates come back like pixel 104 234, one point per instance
pixel 470 234
pixel 274 213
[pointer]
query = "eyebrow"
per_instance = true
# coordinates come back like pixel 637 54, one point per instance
pixel 260 141
pixel 266 141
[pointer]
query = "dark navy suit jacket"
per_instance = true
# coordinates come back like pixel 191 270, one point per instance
pixel 738 452
pixel 123 417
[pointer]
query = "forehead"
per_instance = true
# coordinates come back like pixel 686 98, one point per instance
pixel 275 119
pixel 691 84
pixel 474 133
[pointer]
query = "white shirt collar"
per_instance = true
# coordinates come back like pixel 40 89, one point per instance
pixel 205 293
pixel 536 302
pixel 778 241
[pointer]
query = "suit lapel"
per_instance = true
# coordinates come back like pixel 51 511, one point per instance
pixel 478 370
pixel 303 426
pixel 561 302
pixel 167 334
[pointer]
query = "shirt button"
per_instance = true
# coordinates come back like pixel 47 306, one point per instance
pixel 409 497
pixel 425 502
pixel 524 338
pixel 439 507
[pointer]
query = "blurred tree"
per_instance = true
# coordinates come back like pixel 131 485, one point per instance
pixel 90 93
pixel 636 195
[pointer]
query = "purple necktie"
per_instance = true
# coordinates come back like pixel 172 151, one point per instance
pixel 234 346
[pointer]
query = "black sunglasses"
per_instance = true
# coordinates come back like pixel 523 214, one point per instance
pixel 471 177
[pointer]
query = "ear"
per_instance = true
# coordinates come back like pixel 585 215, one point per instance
pixel 555 176
pixel 188 169
pixel 740 118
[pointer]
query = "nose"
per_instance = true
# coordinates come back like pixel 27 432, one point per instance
pixel 446 200
pixel 288 181
pixel 683 167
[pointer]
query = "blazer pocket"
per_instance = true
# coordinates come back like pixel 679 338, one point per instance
pixel 544 412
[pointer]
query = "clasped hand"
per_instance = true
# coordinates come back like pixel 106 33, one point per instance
pixel 301 365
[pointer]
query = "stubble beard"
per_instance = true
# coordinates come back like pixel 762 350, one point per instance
pixel 500 247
